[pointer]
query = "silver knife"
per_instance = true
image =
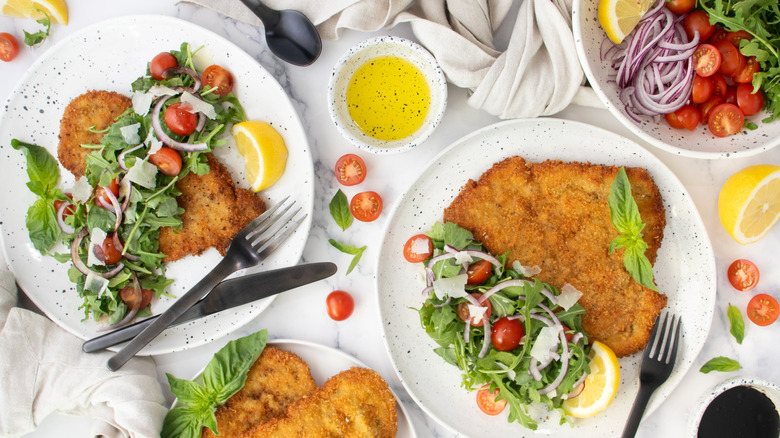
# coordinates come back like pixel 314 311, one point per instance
pixel 227 294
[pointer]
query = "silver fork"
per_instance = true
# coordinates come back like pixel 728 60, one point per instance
pixel 657 365
pixel 248 248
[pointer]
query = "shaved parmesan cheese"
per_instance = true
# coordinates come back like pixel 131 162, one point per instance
pixel 130 134
pixel 569 296
pixel 143 173
pixel 96 284
pixel 199 105
pixel 154 145
pixel 81 190
pixel 95 239
pixel 524 271
pixel 462 257
pixel 546 342
pixel 202 58
pixel 476 313
pixel 453 287
pixel 142 102
pixel 420 246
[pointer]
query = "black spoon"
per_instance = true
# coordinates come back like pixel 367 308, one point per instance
pixel 289 34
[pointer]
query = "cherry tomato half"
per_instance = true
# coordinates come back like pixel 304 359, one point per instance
pixel 180 118
pixel 725 119
pixel 366 206
pixel 746 75
pixel 698 21
pixel 168 160
pixel 706 108
pixel 340 305
pixel 487 403
pixel 702 88
pixel 110 253
pixel 160 63
pixel 680 7
pixel 464 314
pixel 738 35
pixel 100 192
pixel 721 86
pixel 686 117
pixel 732 61
pixel 750 103
pixel 743 274
pixel 478 272
pixel 763 309
pixel 219 79
pixel 418 248
pixel 127 294
pixel 706 60
pixel 350 170
pixel 9 47
pixel 507 334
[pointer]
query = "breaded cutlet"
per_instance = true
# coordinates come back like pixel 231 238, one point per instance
pixel 96 108
pixel 555 215
pixel 214 211
pixel 276 380
pixel 356 403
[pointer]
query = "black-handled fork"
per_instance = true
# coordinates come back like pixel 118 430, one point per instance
pixel 657 364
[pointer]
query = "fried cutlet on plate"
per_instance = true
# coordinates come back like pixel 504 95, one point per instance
pixel 555 215
pixel 214 211
pixel 96 109
pixel 276 380
pixel 214 208
pixel 356 403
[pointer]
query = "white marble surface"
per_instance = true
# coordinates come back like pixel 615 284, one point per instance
pixel 301 314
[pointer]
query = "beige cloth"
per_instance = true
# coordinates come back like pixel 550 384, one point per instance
pixel 42 370
pixel 538 74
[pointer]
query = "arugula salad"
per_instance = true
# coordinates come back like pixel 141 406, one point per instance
pixel 110 219
pixel 517 340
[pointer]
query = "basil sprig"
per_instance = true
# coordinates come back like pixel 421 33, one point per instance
pixel 347 249
pixel 626 219
pixel 720 363
pixel 224 375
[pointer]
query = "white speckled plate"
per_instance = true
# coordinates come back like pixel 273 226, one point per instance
pixel 588 37
pixel 370 49
pixel 324 363
pixel 109 56
pixel 685 270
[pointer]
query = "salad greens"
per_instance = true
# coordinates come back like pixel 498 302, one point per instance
pixel 36 38
pixel 509 371
pixel 625 217
pixel 147 197
pixel 761 19
pixel 224 375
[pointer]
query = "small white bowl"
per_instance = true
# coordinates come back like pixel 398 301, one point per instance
pixel 771 390
pixel 370 49
pixel 588 38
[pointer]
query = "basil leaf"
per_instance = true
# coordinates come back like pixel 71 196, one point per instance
pixel 347 249
pixel 339 210
pixel 736 323
pixel 224 375
pixel 625 217
pixel 41 223
pixel 42 168
pixel 722 364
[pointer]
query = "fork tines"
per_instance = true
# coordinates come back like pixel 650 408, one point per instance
pixel 664 339
pixel 272 227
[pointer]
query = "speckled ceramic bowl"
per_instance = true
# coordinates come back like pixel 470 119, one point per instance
pixel 370 49
pixel 771 390
pixel 589 37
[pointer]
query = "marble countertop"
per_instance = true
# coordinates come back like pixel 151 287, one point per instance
pixel 361 334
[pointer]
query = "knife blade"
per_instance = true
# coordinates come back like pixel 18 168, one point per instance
pixel 227 294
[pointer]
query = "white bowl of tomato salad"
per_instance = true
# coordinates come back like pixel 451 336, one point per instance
pixel 693 96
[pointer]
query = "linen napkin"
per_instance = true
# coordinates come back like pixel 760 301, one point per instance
pixel 42 370
pixel 538 74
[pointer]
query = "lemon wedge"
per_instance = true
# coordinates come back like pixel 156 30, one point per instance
pixel 619 17
pixel 749 202
pixel 601 385
pixel 56 9
pixel 264 152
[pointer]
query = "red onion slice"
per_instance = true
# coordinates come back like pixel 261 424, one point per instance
pixel 167 73
pixel 67 229
pixel 165 138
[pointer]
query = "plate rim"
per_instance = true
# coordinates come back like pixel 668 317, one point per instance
pixel 295 124
pixel 696 216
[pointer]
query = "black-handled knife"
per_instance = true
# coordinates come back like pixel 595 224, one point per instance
pixel 227 294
